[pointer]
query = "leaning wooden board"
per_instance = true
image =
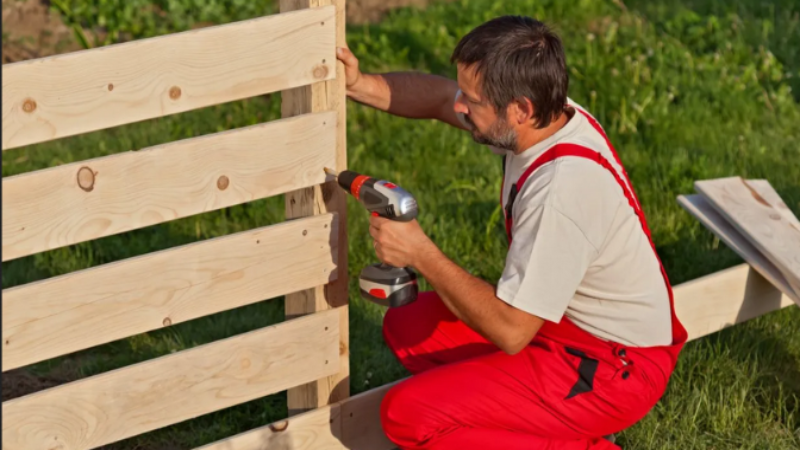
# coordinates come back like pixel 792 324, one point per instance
pixel 767 228
pixel 698 206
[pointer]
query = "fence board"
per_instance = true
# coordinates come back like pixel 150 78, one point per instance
pixel 725 298
pixel 64 314
pixel 154 394
pixel 78 92
pixel 764 226
pixel 322 96
pixel 699 207
pixel 705 305
pixel 73 203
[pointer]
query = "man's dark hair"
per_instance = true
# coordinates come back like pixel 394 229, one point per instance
pixel 518 57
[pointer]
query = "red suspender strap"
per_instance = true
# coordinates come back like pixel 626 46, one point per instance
pixel 679 335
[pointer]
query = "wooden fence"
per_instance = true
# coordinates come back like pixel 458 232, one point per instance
pixel 304 258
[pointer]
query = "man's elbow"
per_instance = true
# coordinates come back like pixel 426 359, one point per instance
pixel 514 343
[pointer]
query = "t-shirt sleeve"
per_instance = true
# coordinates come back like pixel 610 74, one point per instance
pixel 546 261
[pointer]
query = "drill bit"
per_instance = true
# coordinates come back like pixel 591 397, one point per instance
pixel 330 171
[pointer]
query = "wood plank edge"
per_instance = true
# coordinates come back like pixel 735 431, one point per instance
pixel 126 158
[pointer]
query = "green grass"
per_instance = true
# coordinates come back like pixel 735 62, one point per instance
pixel 686 90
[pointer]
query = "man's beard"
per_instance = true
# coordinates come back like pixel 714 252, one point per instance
pixel 499 135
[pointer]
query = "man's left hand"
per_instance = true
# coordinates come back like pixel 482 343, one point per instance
pixel 399 244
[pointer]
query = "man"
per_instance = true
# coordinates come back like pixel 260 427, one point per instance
pixel 578 338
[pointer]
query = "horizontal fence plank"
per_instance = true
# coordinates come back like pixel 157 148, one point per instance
pixel 77 202
pixel 699 207
pixel 353 423
pixel 78 92
pixel 154 394
pixel 75 311
pixel 725 298
pixel 704 305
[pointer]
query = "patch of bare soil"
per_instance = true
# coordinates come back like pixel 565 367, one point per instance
pixel 363 11
pixel 31 30
pixel 20 382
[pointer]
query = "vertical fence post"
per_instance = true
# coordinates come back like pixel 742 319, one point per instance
pixel 322 96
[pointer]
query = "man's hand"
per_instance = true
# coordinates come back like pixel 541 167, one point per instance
pixel 351 70
pixel 399 244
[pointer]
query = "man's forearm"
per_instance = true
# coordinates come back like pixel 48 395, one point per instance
pixel 408 94
pixel 473 301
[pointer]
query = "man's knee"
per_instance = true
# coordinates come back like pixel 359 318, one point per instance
pixel 402 415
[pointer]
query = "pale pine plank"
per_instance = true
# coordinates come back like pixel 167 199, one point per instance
pixel 720 300
pixel 353 423
pixel 79 310
pixel 768 193
pixel 704 305
pixel 322 96
pixel 698 207
pixel 73 203
pixel 765 227
pixel 157 393
pixel 89 90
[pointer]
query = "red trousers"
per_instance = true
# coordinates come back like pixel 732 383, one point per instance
pixel 564 391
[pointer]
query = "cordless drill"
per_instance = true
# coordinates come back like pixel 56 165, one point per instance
pixel 381 283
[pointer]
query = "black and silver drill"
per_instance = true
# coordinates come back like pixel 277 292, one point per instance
pixel 381 283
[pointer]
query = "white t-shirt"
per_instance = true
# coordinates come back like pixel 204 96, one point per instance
pixel 578 248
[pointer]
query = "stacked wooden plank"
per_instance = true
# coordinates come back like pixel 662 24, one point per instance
pixel 751 218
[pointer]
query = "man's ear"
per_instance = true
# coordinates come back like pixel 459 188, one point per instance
pixel 522 110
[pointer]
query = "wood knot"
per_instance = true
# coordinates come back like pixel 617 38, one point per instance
pixel 342 348
pixel 279 426
pixel 305 232
pixel 110 87
pixel 86 179
pixel 320 71
pixel 223 182
pixel 29 105
pixel 174 92
pixel 167 321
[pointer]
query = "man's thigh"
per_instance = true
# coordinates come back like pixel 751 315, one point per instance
pixel 425 334
pixel 529 393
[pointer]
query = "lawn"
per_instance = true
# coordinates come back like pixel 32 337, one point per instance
pixel 686 90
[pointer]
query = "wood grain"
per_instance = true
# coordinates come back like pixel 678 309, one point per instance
pixel 73 93
pixel 764 226
pixel 353 423
pixel 73 203
pixel 154 394
pixel 720 300
pixel 698 207
pixel 768 193
pixel 72 312
pixel 322 96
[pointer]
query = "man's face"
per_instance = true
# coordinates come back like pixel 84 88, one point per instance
pixel 488 127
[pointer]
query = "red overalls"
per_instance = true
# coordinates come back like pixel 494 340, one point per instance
pixel 565 390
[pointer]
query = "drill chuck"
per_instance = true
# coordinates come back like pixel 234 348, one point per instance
pixel 379 197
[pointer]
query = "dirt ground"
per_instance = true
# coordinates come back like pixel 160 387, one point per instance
pixel 31 30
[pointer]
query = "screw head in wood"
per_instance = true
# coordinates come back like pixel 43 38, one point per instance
pixel 167 321
pixel 110 86
pixel 174 92
pixel 29 105
pixel 222 183
pixel 86 179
